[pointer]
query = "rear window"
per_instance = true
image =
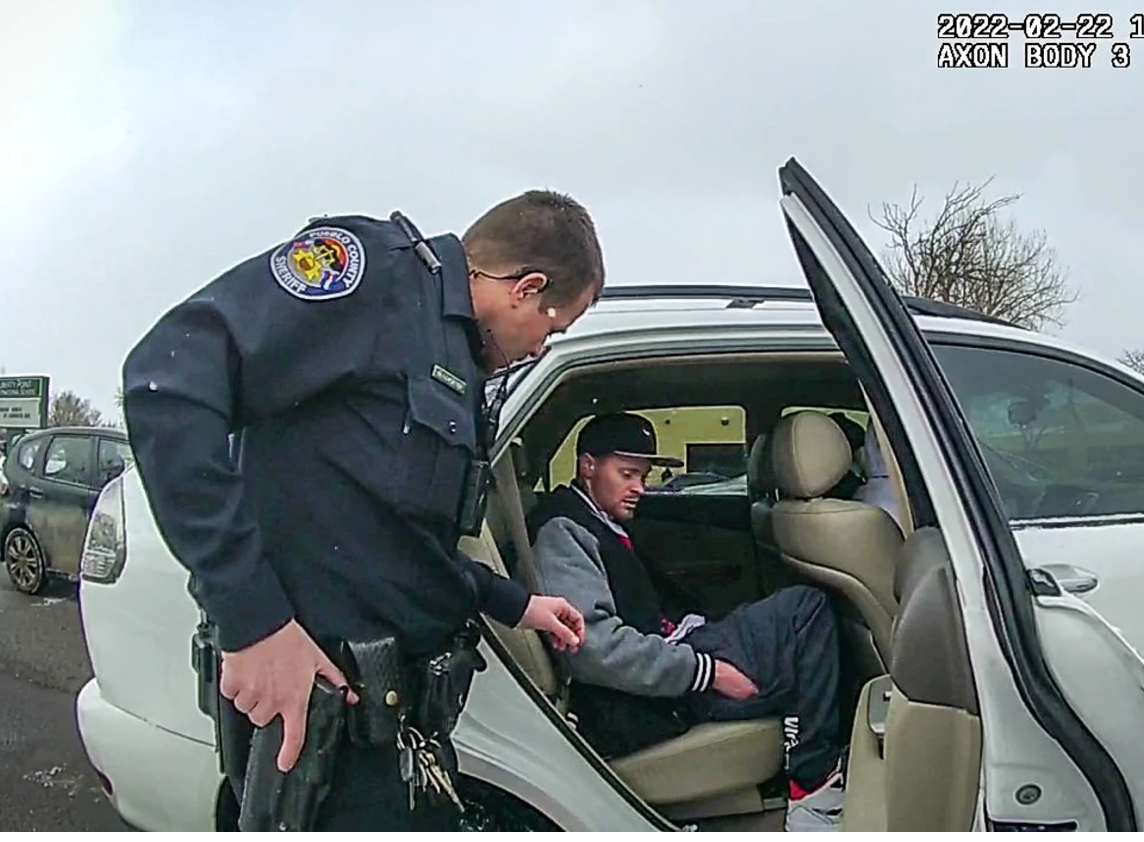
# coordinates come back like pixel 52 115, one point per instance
pixel 114 457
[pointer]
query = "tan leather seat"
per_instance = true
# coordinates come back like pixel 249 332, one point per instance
pixel 711 761
pixel 761 490
pixel 916 740
pixel 846 546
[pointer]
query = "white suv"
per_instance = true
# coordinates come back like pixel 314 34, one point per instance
pixel 988 646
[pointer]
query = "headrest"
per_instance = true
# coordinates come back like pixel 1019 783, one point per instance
pixel 760 468
pixel 810 453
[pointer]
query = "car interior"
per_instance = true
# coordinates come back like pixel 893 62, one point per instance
pixel 909 697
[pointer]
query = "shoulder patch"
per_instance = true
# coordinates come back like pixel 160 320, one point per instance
pixel 319 264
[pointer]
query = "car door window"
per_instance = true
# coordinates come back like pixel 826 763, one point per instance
pixel 1060 439
pixel 26 455
pixel 69 460
pixel 114 457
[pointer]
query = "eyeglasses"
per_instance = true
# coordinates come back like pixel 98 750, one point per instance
pixel 516 276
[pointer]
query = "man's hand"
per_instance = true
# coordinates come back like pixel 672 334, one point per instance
pixel 732 683
pixel 557 616
pixel 274 677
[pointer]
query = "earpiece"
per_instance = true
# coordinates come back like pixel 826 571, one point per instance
pixel 551 312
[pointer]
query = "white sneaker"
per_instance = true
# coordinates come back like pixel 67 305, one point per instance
pixel 817 811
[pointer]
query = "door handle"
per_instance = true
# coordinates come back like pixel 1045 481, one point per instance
pixel 35 492
pixel 1073 579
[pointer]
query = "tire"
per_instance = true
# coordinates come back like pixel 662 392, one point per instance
pixel 24 560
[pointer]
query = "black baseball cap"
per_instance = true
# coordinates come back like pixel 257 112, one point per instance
pixel 622 434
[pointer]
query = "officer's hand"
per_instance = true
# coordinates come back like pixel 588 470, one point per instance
pixel 732 683
pixel 273 677
pixel 558 617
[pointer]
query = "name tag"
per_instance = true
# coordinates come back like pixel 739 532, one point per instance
pixel 443 375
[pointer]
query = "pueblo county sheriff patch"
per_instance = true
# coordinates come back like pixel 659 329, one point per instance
pixel 320 264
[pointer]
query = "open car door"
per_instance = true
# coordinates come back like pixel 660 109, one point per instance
pixel 1054 701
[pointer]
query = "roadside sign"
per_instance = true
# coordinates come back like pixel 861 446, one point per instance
pixel 23 403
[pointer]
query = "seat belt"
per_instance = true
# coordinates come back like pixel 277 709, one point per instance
pixel 508 493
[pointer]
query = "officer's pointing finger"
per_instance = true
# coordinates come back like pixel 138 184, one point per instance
pixel 293 735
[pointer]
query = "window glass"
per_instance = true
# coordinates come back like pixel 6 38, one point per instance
pixel 114 457
pixel 711 441
pixel 28 452
pixel 1059 439
pixel 69 460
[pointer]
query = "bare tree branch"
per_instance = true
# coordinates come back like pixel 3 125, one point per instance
pixel 967 255
pixel 1133 358
pixel 67 409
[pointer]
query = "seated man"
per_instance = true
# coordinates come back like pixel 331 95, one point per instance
pixel 647 672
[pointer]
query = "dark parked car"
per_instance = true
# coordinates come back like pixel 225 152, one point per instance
pixel 53 479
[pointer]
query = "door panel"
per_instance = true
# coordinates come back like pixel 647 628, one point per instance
pixel 1034 735
pixel 702 543
pixel 61 499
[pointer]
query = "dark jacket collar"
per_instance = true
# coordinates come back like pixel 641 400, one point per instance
pixel 456 295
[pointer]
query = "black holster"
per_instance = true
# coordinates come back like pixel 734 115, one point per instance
pixel 395 693
pixel 446 681
pixel 233 730
pixel 274 800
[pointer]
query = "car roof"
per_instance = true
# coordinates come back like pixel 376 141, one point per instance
pixel 627 309
pixel 108 432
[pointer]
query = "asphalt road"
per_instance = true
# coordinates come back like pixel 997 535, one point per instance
pixel 46 782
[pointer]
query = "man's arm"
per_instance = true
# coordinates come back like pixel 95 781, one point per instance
pixel 613 654
pixel 240 350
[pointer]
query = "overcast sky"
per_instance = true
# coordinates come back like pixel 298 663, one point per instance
pixel 146 146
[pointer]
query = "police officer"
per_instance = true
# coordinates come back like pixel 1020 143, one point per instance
pixel 304 427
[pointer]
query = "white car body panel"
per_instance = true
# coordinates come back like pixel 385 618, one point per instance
pixel 1102 676
pixel 162 780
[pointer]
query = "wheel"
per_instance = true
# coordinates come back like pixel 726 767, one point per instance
pixel 25 561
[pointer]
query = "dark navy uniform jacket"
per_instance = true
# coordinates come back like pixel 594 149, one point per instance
pixel 349 374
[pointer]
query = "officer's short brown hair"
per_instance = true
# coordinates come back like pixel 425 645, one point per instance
pixel 540 231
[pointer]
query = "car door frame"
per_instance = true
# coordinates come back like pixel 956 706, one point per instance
pixel 1029 722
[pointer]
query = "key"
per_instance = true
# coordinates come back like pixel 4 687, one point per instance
pixel 407 766
pixel 447 785
pixel 443 781
pixel 408 772
pixel 405 763
pixel 428 773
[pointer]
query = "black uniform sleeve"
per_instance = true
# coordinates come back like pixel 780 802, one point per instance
pixel 502 599
pixel 240 350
